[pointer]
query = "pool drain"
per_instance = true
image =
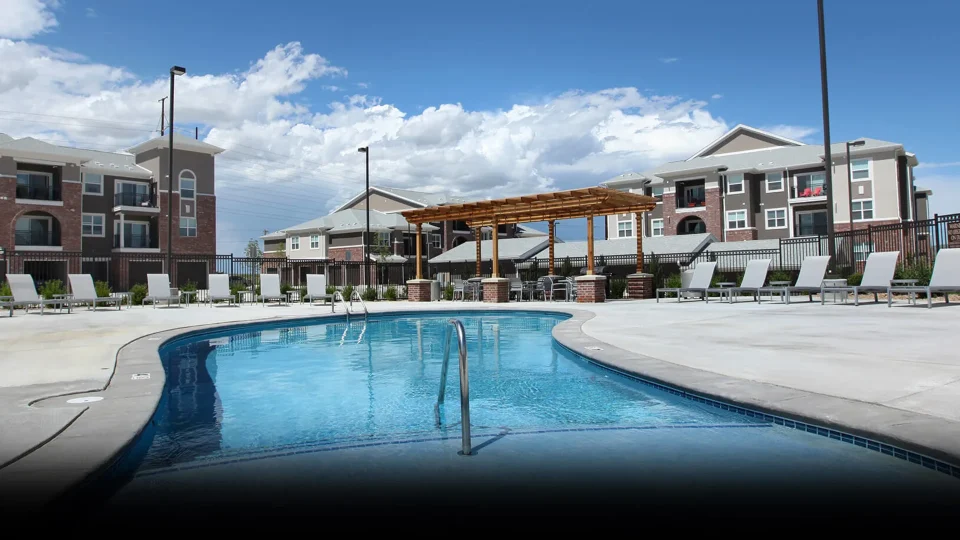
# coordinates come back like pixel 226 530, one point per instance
pixel 88 399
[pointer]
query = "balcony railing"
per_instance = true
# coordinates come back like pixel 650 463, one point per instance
pixel 132 241
pixel 805 191
pixel 36 238
pixel 691 202
pixel 38 192
pixel 126 198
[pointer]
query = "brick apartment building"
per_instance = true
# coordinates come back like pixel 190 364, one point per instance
pixel 66 210
pixel 753 185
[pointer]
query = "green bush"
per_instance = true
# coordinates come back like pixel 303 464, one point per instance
pixel 673 282
pixel 331 289
pixel 189 286
pixel 739 279
pixel 566 269
pixel 137 293
pixel 617 288
pixel 52 287
pixel 390 294
pixel 5 289
pixel 854 279
pixel 347 292
pixel 780 275
pixel 370 294
pixel 447 292
pixel 921 271
pixel 236 287
pixel 103 289
pixel 285 288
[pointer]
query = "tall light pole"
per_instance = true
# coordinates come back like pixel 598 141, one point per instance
pixel 366 238
pixel 828 169
pixel 175 71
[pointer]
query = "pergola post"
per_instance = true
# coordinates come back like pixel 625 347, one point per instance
pixel 591 288
pixel 639 284
pixel 496 254
pixel 551 227
pixel 589 245
pixel 419 253
pixel 639 251
pixel 477 234
pixel 418 290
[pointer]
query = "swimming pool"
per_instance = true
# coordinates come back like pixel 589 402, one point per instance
pixel 286 411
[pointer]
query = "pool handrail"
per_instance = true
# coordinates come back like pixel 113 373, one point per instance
pixel 356 294
pixel 337 294
pixel 464 384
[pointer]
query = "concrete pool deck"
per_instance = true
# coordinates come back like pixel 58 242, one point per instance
pixel 885 373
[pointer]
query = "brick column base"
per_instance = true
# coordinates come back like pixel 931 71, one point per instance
pixel 496 290
pixel 591 289
pixel 418 290
pixel 640 286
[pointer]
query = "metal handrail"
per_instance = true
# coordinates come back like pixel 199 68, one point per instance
pixel 464 383
pixel 336 294
pixel 362 303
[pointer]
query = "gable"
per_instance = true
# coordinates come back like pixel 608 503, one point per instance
pixel 742 142
pixel 381 203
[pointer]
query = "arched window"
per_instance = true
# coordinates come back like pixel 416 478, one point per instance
pixel 188 185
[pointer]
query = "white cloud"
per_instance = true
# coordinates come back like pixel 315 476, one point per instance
pixel 716 96
pixel 91 13
pixel 669 60
pixel 798 133
pixel 363 85
pixel 331 87
pixel 942 165
pixel 23 19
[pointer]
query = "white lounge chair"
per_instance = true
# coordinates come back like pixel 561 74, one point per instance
pixel 83 289
pixel 317 289
pixel 810 280
pixel 25 295
pixel 877 274
pixel 158 290
pixel 699 283
pixel 270 289
pixel 753 279
pixel 220 289
pixel 945 279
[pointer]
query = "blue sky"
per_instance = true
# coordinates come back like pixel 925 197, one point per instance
pixel 744 61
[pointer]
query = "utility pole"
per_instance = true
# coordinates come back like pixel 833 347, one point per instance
pixel 163 120
pixel 827 155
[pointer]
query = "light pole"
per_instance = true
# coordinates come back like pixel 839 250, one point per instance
pixel 366 238
pixel 175 71
pixel 828 169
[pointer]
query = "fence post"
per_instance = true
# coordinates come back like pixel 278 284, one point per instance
pixel 870 237
pixel 936 227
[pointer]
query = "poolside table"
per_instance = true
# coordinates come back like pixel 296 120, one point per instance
pixel 836 287
pixel 190 295
pixel 912 295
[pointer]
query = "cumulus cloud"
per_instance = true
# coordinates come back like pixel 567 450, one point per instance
pixel 798 133
pixel 23 19
pixel 669 60
pixel 716 96
pixel 946 190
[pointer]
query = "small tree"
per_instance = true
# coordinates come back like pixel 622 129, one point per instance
pixel 253 249
pixel 566 268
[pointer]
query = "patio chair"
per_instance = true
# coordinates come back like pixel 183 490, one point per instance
pixel 516 287
pixel 545 288
pixel 753 279
pixel 25 295
pixel 158 290
pixel 945 279
pixel 220 290
pixel 810 280
pixel 317 289
pixel 699 283
pixel 877 274
pixel 458 288
pixel 83 289
pixel 270 289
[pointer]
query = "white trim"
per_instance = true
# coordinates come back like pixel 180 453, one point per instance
pixel 873 211
pixel 742 127
pixel 317 236
pixel 103 225
pixel 38 202
pixel 766 183
pixel 356 198
pixel 653 228
pixel 38 248
pixel 690 210
pixel 40 161
pixel 138 250
pixel 766 218
pixel 743 184
pixel 746 223
pixel 8 176
pixel 870 170
pixel 83 184
pixel 180 179
pixel 297 238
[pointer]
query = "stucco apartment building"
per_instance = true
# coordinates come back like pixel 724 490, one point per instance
pixel 753 185
pixel 102 205
pixel 339 235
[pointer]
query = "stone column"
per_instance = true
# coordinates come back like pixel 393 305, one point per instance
pixel 418 290
pixel 496 290
pixel 640 286
pixel 591 289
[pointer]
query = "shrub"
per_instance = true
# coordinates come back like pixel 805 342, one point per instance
pixel 617 288
pixel 566 269
pixel 137 293
pixel 447 292
pixel 103 289
pixel 236 287
pixel 739 279
pixel 189 286
pixel 390 294
pixel 5 289
pixel 673 282
pixel 780 275
pixel 52 287
pixel 331 289
pixel 370 294
pixel 285 288
pixel 402 291
pixel 854 279
pixel 921 271
pixel 347 292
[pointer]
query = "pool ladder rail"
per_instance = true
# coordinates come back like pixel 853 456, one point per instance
pixel 353 296
pixel 455 324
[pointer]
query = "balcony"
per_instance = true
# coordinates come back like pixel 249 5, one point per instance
pixel 32 192
pixel 691 196
pixel 135 241
pixel 134 202
pixel 36 238
pixel 808 188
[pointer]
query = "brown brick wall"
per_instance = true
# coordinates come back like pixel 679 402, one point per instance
pixel 68 215
pixel 640 287
pixel 418 291
pixel 340 254
pixel 205 242
pixel 591 291
pixel 496 292
pixel 711 216
pixel 740 235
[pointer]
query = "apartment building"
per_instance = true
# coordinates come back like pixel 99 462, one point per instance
pixel 753 185
pixel 340 235
pixel 58 199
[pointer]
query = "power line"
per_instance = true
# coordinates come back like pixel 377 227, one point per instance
pixel 77 118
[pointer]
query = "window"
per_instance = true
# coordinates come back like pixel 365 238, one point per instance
pixel 811 223
pixel 294 243
pixel 777 218
pixel 188 185
pixel 861 250
pixel 655 191
pixel 188 226
pixel 136 234
pixel 862 210
pixel 37 186
pixel 435 241
pixel 735 183
pixel 811 185
pixel 34 231
pixel 860 169
pixel 624 225
pixel 774 182
pixel 92 225
pixel 737 219
pixel 656 226
pixel 92 184
pixel 314 241
pixel 486 234
pixel 694 195
pixel 383 239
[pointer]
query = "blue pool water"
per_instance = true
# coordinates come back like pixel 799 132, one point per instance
pixel 334 404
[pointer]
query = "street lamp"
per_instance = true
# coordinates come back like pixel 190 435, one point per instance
pixel 366 238
pixel 175 71
pixel 828 168
pixel 723 202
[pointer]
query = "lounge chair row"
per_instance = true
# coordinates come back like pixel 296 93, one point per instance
pixel 878 277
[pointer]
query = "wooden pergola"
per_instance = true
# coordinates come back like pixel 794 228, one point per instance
pixel 549 207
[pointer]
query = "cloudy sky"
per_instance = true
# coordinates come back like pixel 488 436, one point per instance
pixel 484 102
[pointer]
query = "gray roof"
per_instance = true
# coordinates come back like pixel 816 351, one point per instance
pixel 526 231
pixel 94 161
pixel 4 138
pixel 429 199
pixel 180 142
pixel 743 245
pixel 28 147
pixel 513 249
pixel 685 243
pixel 351 220
pixel 111 163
